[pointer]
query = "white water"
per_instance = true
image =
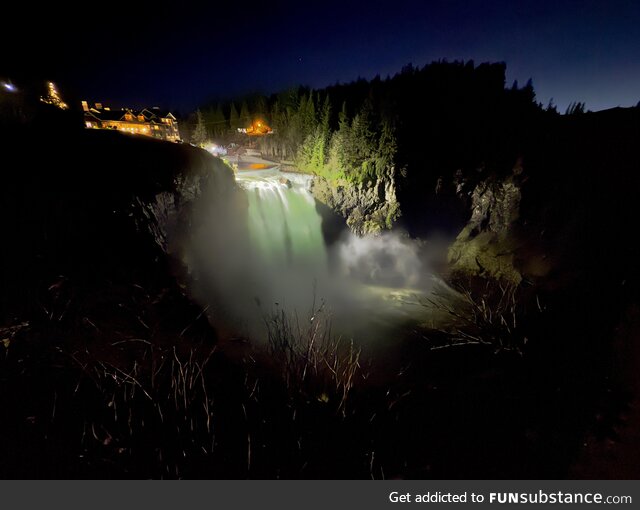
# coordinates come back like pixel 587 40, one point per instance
pixel 366 284
pixel 284 228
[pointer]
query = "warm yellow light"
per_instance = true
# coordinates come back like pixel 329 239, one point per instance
pixel 53 97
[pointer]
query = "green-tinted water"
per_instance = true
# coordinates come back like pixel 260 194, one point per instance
pixel 373 285
pixel 285 227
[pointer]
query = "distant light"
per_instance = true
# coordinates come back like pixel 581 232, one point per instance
pixel 53 97
pixel 216 150
pixel 9 87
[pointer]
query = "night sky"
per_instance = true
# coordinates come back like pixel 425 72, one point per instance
pixel 182 54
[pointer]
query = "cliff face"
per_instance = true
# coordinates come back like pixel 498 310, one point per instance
pixel 368 208
pixel 206 189
pixel 559 218
pixel 486 245
pixel 96 205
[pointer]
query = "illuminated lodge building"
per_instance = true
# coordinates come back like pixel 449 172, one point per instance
pixel 149 122
pixel 257 128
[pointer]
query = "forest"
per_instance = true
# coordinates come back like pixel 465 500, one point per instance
pixel 443 123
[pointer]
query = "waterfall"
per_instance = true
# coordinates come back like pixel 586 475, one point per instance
pixel 287 259
pixel 276 258
pixel 284 227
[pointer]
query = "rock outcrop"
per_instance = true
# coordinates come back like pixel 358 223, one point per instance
pixel 171 214
pixel 368 207
pixel 100 205
pixel 486 246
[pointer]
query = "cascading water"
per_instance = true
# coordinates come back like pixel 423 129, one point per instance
pixel 364 281
pixel 287 263
pixel 284 227
pixel 274 257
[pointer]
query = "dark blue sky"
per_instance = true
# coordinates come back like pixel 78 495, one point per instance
pixel 181 54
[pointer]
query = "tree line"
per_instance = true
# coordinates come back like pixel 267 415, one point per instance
pixel 431 127
pixel 445 114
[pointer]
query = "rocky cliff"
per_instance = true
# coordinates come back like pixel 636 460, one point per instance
pixel 91 205
pixel 367 207
pixel 486 246
pixel 560 217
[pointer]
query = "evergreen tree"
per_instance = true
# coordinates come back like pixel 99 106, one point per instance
pixel 325 115
pixel 260 107
pixel 339 143
pixel 234 118
pixel 575 108
pixel 209 120
pixel 529 93
pixel 245 115
pixel 322 150
pixel 219 123
pixel 199 135
pixel 361 144
pixel 308 115
pixel 387 149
